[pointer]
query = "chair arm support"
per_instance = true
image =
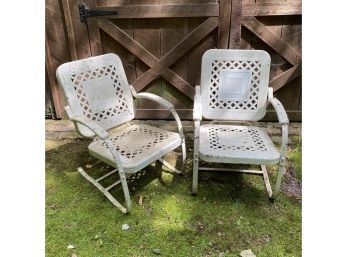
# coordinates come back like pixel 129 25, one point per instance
pixel 102 134
pixel 284 121
pixel 197 106
pixel 156 99
pixel 98 130
pixel 278 107
pixel 285 140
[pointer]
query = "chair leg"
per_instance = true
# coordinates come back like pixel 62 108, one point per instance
pixel 281 172
pixel 266 180
pixel 125 190
pixel 195 169
pixel 183 150
pixel 105 191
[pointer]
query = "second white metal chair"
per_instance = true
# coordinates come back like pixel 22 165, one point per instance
pixel 100 99
pixel 234 88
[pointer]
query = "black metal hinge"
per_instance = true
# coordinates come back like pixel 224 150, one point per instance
pixel 85 12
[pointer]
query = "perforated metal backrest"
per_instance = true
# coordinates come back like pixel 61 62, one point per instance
pixel 234 84
pixel 97 89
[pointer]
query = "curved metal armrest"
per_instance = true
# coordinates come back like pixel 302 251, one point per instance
pixel 278 107
pixel 197 105
pixel 156 99
pixel 98 130
pixel 164 103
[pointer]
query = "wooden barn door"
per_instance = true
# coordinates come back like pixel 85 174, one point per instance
pixel 161 43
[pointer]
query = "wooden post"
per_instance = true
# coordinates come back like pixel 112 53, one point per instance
pixel 93 31
pixel 69 29
pixel 52 81
pixel 224 24
pixel 235 25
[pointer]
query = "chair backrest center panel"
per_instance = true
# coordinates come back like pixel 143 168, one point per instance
pixel 234 84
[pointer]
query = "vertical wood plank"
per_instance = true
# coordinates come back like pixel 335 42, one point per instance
pixel 147 32
pixel 69 29
pixel 56 50
pixel 290 94
pixel 196 53
pixel 235 29
pixel 173 31
pixel 246 35
pixel 53 84
pixel 83 49
pixel 274 24
pixel 93 31
pixel 109 45
pixel 224 24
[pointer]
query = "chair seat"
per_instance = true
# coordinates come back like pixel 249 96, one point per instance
pixel 236 144
pixel 138 146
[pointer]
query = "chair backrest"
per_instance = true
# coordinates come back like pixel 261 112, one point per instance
pixel 97 88
pixel 234 84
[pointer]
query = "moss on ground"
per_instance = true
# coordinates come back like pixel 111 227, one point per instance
pixel 231 212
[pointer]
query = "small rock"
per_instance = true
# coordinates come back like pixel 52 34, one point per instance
pixel 73 255
pixel 148 210
pixel 71 247
pixel 156 251
pixel 220 222
pixel 140 200
pixel 88 166
pixel 125 227
pixel 221 254
pixel 266 238
pixel 100 242
pixel 247 253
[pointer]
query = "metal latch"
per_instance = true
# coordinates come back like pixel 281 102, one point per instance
pixel 85 12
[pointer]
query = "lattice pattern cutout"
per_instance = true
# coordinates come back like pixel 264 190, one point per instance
pixel 217 66
pixel 120 106
pixel 251 137
pixel 143 139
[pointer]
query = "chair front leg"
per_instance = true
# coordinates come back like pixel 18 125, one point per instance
pixel 281 165
pixel 121 174
pixel 195 158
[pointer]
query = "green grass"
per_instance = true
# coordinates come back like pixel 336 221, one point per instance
pixel 231 212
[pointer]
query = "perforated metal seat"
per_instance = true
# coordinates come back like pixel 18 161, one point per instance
pixel 234 88
pixel 151 144
pixel 236 144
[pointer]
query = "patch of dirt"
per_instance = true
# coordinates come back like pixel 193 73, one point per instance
pixel 291 186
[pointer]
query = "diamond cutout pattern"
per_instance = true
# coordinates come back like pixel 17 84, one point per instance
pixel 242 139
pixel 216 66
pixel 120 106
pixel 145 140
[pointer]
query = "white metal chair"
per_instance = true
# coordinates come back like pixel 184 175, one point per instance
pixel 234 87
pixel 100 99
